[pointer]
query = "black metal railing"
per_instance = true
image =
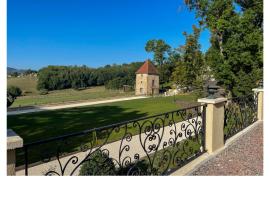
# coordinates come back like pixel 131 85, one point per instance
pixel 240 112
pixel 155 145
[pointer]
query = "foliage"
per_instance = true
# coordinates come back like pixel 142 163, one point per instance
pixel 117 83
pixel 240 112
pixel 10 99
pixel 14 91
pixel 159 48
pixel 14 74
pixel 29 71
pixel 99 163
pixel 140 167
pixel 43 92
pixel 190 71
pixel 161 51
pixel 76 77
pixel 236 52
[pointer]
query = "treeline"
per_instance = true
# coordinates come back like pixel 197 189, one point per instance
pixel 76 77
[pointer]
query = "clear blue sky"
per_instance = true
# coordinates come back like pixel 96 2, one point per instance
pixel 92 32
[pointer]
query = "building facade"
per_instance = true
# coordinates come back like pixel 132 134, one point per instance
pixel 147 79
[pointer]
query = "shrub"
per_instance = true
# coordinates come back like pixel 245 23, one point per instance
pixel 98 164
pixel 10 99
pixel 102 165
pixel 137 168
pixel 25 92
pixel 43 92
pixel 116 83
pixel 14 91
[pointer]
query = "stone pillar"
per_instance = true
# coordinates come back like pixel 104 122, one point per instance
pixel 259 91
pixel 13 142
pixel 214 135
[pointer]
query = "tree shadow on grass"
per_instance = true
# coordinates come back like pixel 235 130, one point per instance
pixel 43 125
pixel 36 126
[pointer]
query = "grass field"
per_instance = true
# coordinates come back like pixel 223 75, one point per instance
pixel 36 126
pixel 28 84
pixel 41 125
pixel 32 97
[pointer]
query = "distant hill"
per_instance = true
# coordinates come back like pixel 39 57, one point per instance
pixel 11 70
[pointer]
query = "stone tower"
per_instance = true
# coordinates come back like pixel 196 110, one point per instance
pixel 147 79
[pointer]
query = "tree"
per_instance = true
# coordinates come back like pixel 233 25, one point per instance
pixel 10 99
pixel 161 51
pixel 190 69
pixel 236 52
pixel 76 77
pixel 15 74
pixel 29 71
pixel 179 75
pixel 12 93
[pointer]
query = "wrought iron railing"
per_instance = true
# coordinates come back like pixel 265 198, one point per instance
pixel 240 112
pixel 155 145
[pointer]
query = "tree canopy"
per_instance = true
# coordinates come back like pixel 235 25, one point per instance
pixel 236 52
pixel 76 77
pixel 161 51
pixel 190 71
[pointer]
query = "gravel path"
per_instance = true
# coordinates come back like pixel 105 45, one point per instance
pixel 72 105
pixel 244 157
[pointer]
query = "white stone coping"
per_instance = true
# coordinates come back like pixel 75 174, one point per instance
pixel 212 101
pixel 257 90
pixel 13 140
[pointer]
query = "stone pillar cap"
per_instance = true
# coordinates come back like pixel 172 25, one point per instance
pixel 212 101
pixel 257 90
pixel 13 140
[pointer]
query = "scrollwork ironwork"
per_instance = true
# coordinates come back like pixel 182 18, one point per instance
pixel 154 145
pixel 240 112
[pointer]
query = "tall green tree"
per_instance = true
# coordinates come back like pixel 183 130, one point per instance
pixel 161 51
pixel 190 68
pixel 236 52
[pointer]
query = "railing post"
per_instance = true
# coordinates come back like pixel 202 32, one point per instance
pixel 259 91
pixel 13 142
pixel 214 134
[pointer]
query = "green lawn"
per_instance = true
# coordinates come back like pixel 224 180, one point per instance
pixel 32 97
pixel 36 126
pixel 69 95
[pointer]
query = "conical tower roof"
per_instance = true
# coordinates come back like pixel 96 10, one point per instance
pixel 147 68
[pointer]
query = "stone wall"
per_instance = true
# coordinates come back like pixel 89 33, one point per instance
pixel 144 84
pixel 152 88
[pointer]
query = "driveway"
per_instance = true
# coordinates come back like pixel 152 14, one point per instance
pixel 72 105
